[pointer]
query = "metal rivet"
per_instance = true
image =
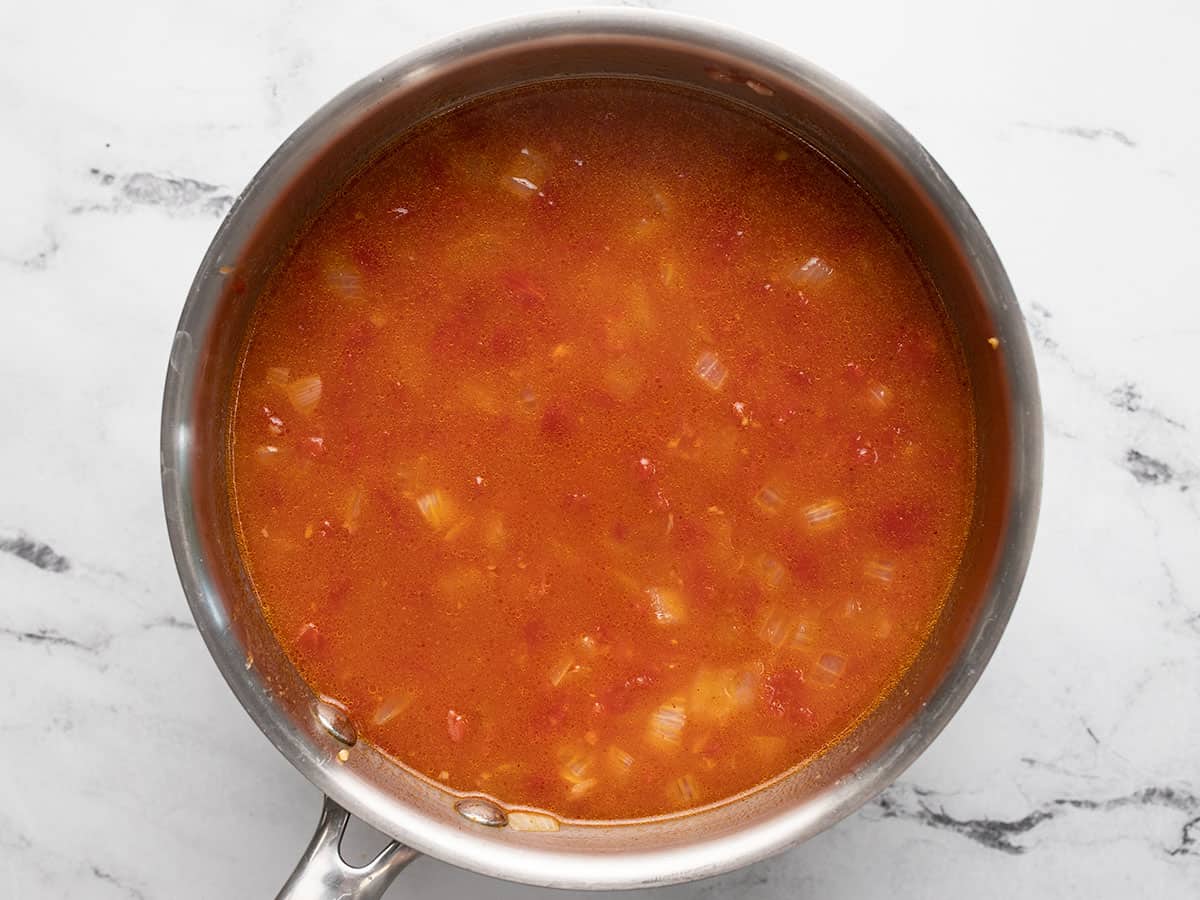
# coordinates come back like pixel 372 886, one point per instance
pixel 337 722
pixel 482 812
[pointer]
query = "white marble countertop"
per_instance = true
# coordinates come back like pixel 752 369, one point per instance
pixel 129 770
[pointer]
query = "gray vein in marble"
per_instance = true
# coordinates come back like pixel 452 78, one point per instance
pixel 1187 840
pixel 1040 332
pixel 1084 132
pixel 38 260
pixel 52 637
pixel 17 842
pixel 35 552
pixel 116 882
pixel 172 622
pixel 1146 469
pixel 912 804
pixel 1127 397
pixel 176 195
pixel 1175 598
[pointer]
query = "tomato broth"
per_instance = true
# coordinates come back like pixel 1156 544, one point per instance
pixel 601 448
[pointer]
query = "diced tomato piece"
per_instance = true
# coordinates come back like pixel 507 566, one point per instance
pixel 803 562
pixel 904 524
pixel 644 468
pixel 338 594
pixel 917 350
pixel 687 533
pixel 620 696
pixel 536 632
pixel 798 377
pixel 550 716
pixel 456 726
pixel 310 642
pixel 557 424
pixel 784 694
pixel 645 472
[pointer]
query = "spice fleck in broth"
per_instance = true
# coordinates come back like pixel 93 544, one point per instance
pixel 601 448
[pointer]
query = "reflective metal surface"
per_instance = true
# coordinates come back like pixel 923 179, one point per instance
pixel 855 134
pixel 322 873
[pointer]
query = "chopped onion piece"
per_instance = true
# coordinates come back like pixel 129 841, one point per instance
pixel 666 724
pixel 711 370
pixel 812 273
pixel 667 605
pixel 624 378
pixel 278 375
pixel 830 667
pixel 460 585
pixel 353 511
pixel 274 423
pixel 577 768
pixel 436 509
pixel 879 570
pixel 526 170
pixel 804 633
pixel 456 530
pixel 824 514
pixel 494 534
pixel 884 629
pixel 579 788
pixel 266 452
pixel 880 394
pixel 345 281
pixel 394 704
pixel 522 187
pixel 768 500
pixel 685 789
pixel 717 694
pixel 304 393
pixel 529 821
pixel 591 646
pixel 744 689
pixel 667 273
pixel 775 629
pixel 561 670
pixel 771 570
pixel 619 759
pixel 767 746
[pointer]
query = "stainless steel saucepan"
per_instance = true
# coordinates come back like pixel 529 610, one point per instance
pixel 422 817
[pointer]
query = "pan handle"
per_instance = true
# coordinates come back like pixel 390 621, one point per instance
pixel 322 874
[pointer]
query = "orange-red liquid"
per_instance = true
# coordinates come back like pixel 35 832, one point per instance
pixel 601 449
